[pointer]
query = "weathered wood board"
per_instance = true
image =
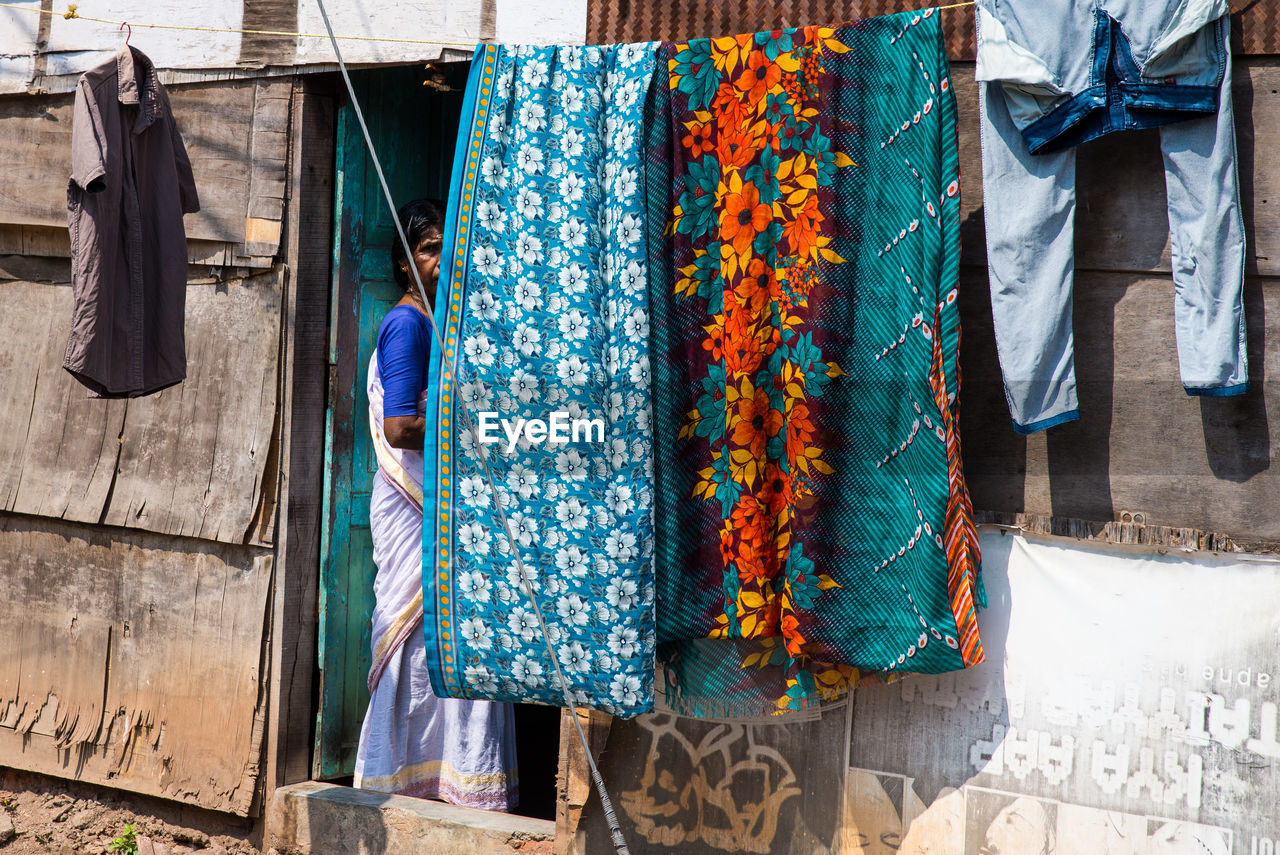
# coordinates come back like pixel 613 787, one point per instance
pixel 38 241
pixel 132 660
pixel 193 457
pixel 573 777
pixel 190 460
pixel 1121 218
pixel 680 785
pixel 236 134
pixel 1142 444
pixel 304 382
pixel 34 268
pixel 58 448
pixel 463 24
pixel 19 28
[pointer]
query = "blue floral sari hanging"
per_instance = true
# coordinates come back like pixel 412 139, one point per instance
pixel 544 305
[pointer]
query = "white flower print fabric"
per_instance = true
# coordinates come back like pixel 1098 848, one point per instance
pixel 547 312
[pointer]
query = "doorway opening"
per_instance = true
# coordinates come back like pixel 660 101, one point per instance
pixel 414 129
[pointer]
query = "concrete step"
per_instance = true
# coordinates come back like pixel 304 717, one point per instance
pixel 325 819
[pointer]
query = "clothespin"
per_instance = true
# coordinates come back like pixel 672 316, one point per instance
pixel 71 12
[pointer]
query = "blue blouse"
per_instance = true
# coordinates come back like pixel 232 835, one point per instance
pixel 404 344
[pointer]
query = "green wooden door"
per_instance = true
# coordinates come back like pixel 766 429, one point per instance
pixel 413 128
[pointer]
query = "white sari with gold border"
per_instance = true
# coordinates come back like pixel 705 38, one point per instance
pixel 412 742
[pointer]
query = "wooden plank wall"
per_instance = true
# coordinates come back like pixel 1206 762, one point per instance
pixel 132 659
pixel 236 134
pixel 138 537
pixel 1142 444
pixel 304 384
pixel 96 606
pixel 193 457
pixel 190 460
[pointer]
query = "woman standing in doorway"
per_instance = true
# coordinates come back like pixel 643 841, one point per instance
pixel 413 742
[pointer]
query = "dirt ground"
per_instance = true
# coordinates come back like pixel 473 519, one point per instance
pixel 45 815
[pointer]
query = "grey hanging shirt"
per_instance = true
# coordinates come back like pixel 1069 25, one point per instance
pixel 130 185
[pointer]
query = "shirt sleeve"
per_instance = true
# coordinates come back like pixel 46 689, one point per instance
pixel 403 349
pixel 187 194
pixel 88 142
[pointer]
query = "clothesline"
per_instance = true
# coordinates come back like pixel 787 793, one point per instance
pixel 72 13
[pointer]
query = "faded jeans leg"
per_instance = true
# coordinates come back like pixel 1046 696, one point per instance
pixel 1030 203
pixel 1208 249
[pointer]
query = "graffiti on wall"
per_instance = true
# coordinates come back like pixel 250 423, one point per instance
pixel 718 785
pixel 1129 706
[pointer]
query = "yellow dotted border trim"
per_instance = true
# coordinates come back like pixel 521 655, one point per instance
pixel 444 617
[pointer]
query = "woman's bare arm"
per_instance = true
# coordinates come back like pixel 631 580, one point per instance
pixel 405 431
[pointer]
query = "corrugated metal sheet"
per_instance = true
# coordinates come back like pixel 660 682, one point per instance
pixel 1255 25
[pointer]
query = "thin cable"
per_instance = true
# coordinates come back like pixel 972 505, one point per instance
pixel 619 842
pixel 72 14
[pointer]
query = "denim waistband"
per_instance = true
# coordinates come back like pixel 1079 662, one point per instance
pixel 1120 98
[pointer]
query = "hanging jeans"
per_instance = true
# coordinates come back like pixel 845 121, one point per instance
pixel 1053 74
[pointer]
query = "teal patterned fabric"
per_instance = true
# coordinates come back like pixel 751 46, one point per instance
pixel 547 310
pixel 813 524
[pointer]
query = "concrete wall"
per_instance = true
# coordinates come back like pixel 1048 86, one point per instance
pixel 46 53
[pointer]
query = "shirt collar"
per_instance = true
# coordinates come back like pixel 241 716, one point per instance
pixel 129 61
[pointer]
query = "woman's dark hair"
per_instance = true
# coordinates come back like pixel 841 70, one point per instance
pixel 420 218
